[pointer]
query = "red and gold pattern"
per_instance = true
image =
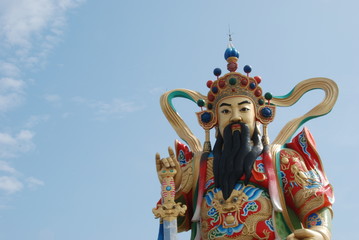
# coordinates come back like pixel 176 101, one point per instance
pixel 247 213
pixel 305 184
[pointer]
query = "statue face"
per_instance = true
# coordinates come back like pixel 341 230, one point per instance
pixel 236 109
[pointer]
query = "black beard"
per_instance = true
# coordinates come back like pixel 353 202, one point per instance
pixel 234 157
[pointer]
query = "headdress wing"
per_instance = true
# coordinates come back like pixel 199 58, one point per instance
pixel 331 94
pixel 176 121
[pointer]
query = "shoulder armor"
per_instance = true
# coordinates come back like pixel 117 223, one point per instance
pixel 305 145
pixel 185 157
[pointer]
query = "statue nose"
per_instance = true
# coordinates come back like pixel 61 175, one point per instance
pixel 236 118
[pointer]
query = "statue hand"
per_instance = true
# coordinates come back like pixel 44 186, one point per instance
pixel 168 164
pixel 305 234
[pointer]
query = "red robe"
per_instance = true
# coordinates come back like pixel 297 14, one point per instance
pixel 247 213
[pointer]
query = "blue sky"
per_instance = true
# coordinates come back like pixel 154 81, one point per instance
pixel 80 83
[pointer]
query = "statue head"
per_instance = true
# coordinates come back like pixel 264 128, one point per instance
pixel 234 88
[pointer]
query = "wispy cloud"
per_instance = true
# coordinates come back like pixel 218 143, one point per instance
pixel 9 179
pixel 116 108
pixel 11 93
pixel 5 167
pixel 52 97
pixel 12 145
pixel 34 183
pixel 10 184
pixel 9 69
pixel 24 21
pixel 29 29
pixel 36 119
pixel 10 84
pixel 12 181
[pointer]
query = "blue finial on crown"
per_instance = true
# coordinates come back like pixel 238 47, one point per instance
pixel 231 51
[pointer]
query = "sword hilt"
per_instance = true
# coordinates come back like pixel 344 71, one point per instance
pixel 168 209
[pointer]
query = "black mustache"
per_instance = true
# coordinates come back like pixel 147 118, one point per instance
pixel 234 156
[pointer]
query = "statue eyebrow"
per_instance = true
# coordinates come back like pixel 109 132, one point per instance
pixel 244 102
pixel 227 104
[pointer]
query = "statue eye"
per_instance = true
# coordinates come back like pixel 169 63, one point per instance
pixel 234 199
pixel 245 109
pixel 221 201
pixel 225 111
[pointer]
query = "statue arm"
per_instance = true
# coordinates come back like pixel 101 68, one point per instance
pixel 307 190
pixel 181 163
pixel 321 221
pixel 317 226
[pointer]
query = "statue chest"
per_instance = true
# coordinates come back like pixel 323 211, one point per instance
pixel 246 214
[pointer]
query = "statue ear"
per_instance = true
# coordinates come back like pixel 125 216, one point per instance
pixel 206 119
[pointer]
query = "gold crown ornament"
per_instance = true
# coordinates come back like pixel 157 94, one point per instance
pixel 234 84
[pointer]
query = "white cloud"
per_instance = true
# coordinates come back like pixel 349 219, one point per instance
pixel 10 145
pixel 22 21
pixel 33 183
pixel 9 69
pixel 25 135
pixel 29 29
pixel 10 184
pixel 6 139
pixel 24 18
pixel 14 181
pixel 52 97
pixel 35 120
pixel 5 167
pixel 116 108
pixel 11 180
pixel 10 84
pixel 11 93
pixel 80 100
pixel 9 101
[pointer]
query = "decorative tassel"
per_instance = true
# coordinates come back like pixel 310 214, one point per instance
pixel 270 171
pixel 202 176
pixel 207 143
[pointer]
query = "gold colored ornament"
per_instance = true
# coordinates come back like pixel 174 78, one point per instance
pixel 168 210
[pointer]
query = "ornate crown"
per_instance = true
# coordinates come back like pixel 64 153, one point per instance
pixel 234 84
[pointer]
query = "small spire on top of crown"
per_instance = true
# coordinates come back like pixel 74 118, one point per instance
pixel 231 55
